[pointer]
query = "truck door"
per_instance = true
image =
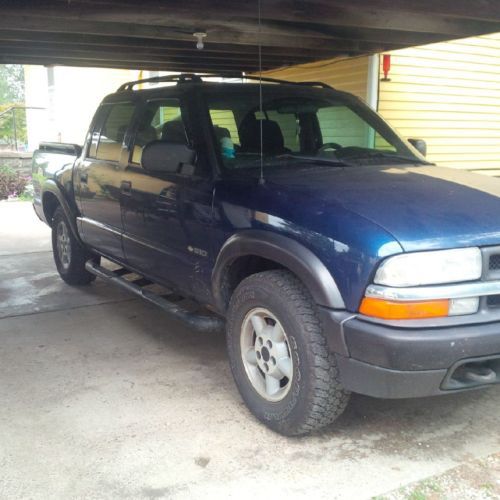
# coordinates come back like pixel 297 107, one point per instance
pixel 99 179
pixel 167 216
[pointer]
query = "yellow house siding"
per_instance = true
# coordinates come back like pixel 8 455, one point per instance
pixel 448 94
pixel 349 75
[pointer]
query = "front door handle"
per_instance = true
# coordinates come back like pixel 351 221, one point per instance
pixel 84 177
pixel 126 187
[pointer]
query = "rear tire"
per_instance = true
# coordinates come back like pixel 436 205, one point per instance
pixel 69 254
pixel 279 356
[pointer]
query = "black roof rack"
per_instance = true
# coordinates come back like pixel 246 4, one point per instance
pixel 192 78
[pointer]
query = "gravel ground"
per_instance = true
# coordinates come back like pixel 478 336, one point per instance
pixel 474 480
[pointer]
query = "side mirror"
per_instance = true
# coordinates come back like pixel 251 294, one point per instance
pixel 420 145
pixel 161 156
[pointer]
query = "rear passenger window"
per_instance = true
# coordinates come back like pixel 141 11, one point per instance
pixel 162 120
pixel 113 132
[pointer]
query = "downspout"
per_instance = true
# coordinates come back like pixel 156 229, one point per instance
pixel 372 81
pixel 372 91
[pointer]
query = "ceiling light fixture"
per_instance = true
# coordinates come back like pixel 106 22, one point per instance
pixel 199 35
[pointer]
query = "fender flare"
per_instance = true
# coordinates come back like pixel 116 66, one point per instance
pixel 51 186
pixel 286 252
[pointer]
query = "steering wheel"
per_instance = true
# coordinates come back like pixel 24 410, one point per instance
pixel 329 146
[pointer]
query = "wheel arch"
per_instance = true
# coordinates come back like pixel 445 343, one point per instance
pixel 52 197
pixel 265 250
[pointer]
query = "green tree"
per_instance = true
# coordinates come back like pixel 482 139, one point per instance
pixel 12 94
pixel 11 83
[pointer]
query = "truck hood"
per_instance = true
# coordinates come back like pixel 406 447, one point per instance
pixel 422 207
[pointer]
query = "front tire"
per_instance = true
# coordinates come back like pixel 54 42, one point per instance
pixel 279 356
pixel 69 254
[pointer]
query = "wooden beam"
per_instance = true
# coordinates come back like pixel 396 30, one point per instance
pixel 140 56
pixel 23 38
pixel 486 10
pixel 80 55
pixel 137 30
pixel 360 40
pixel 93 63
pixel 213 16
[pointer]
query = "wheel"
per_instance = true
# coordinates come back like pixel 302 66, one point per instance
pixel 279 356
pixel 69 255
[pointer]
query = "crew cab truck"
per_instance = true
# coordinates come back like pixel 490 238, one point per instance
pixel 338 258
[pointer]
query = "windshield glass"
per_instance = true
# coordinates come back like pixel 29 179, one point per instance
pixel 315 127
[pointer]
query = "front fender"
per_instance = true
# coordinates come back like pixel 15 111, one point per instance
pixel 286 252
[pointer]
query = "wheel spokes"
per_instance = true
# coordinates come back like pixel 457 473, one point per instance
pixel 277 333
pixel 251 357
pixel 258 324
pixel 272 385
pixel 285 366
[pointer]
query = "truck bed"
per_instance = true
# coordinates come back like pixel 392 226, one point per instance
pixel 49 161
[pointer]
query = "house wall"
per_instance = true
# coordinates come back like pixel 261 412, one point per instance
pixel 350 75
pixel 445 93
pixel 448 94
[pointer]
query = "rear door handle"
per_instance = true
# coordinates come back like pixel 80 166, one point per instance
pixel 126 187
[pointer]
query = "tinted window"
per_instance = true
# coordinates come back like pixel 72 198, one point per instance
pixel 162 120
pixel 113 131
pixel 297 124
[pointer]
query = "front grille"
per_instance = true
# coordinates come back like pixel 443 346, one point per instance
pixel 494 263
pixel 493 301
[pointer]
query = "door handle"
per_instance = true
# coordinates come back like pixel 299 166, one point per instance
pixel 126 187
pixel 84 177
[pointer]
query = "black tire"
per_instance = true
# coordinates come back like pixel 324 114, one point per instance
pixel 315 397
pixel 72 270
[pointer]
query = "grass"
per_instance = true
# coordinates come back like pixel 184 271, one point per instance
pixel 26 196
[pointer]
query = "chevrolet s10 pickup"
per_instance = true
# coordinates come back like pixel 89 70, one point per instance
pixel 335 256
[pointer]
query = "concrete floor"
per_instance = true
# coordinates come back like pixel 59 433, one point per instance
pixel 104 396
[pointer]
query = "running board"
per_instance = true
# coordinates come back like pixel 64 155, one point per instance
pixel 195 320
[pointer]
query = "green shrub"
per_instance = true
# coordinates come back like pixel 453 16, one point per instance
pixel 12 184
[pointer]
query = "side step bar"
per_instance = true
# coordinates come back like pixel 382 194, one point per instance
pixel 195 320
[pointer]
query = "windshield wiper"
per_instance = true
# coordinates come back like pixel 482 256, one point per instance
pixel 368 155
pixel 281 159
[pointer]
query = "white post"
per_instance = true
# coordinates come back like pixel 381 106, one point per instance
pixel 372 92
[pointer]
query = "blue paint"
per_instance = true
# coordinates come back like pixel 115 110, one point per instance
pixel 353 217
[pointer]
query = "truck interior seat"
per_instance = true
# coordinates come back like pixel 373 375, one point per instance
pixel 272 137
pixel 174 131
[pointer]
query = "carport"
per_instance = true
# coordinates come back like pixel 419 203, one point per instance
pixel 103 396
pixel 158 35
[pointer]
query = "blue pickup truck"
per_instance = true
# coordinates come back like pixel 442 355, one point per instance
pixel 335 256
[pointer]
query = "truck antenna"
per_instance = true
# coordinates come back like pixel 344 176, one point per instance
pixel 261 178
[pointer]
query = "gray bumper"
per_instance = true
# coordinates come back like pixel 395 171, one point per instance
pixel 390 362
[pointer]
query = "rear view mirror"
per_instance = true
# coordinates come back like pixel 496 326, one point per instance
pixel 420 145
pixel 161 156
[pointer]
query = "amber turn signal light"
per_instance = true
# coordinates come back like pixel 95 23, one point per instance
pixel 387 309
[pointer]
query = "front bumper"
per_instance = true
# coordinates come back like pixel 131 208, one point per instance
pixel 396 362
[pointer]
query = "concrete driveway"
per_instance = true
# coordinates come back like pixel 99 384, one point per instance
pixel 104 396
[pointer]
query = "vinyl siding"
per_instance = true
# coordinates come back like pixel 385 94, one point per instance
pixel 349 75
pixel 449 95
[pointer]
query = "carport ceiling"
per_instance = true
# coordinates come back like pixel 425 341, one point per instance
pixel 158 35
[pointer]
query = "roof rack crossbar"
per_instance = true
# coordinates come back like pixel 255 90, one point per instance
pixel 193 78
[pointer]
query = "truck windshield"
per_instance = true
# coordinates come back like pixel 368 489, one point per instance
pixel 306 124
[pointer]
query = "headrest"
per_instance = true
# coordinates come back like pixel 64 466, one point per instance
pixel 272 138
pixel 145 135
pixel 174 131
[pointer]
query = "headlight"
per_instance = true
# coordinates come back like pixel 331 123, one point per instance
pixel 430 268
